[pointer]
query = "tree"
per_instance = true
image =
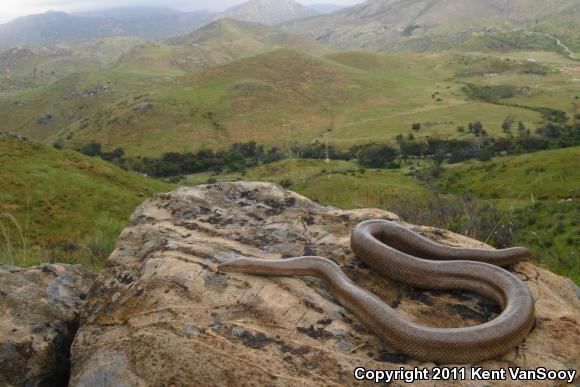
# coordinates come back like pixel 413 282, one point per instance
pixel 91 149
pixel 376 155
pixel 507 124
pixel 475 127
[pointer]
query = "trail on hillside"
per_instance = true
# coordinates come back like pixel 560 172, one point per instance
pixel 568 51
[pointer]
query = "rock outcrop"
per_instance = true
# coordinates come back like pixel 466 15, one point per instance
pixel 39 310
pixel 161 314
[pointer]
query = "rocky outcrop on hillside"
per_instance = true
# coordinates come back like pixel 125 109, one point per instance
pixel 39 310
pixel 161 314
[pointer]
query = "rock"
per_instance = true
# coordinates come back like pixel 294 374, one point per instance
pixel 161 314
pixel 45 120
pixel 39 310
pixel 144 107
pixel 71 95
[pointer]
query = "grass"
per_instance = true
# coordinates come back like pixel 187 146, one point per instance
pixel 547 175
pixel 281 96
pixel 58 204
pixel 337 183
pixel 540 192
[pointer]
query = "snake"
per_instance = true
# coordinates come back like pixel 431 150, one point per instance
pixel 397 252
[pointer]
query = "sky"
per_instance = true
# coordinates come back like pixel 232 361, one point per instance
pixel 11 9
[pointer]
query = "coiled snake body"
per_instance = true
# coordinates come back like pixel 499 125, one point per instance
pixel 403 255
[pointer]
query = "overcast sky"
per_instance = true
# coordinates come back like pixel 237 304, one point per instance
pixel 10 9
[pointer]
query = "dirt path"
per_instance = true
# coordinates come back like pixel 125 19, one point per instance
pixel 568 51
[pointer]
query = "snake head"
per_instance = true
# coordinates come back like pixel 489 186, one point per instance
pixel 521 253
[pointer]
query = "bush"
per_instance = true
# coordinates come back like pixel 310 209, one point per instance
pixel 376 155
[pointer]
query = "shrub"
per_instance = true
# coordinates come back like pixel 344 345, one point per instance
pixel 376 155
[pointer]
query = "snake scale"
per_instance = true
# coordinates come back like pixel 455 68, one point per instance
pixel 403 255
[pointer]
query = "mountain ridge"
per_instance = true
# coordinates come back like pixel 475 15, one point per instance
pixel 425 25
pixel 55 27
pixel 268 12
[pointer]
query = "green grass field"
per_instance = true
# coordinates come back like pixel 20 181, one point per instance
pixel 61 205
pixel 341 184
pixel 540 191
pixel 284 96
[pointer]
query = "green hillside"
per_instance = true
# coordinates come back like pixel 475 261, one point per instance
pixel 435 25
pixel 540 191
pixel 343 98
pixel 220 42
pixel 338 183
pixel 61 205
pixel 548 175
pixel 25 67
pixel 235 82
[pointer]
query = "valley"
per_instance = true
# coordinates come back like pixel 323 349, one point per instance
pixel 233 82
pixel 381 72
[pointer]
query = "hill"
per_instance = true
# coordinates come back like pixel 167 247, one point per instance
pixel 25 67
pixel 53 28
pixel 336 183
pixel 220 42
pixel 429 25
pixel 324 8
pixel 539 192
pixel 278 97
pixel 269 12
pixel 59 203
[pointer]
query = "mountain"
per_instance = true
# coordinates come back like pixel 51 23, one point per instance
pixel 154 22
pixel 23 67
pixel 129 13
pixel 442 24
pixel 57 28
pixel 52 28
pixel 239 38
pixel 219 42
pixel 269 12
pixel 324 8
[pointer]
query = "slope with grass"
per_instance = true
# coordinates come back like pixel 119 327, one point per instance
pixel 540 191
pixel 26 67
pixel 269 12
pixel 61 205
pixel 341 184
pixel 432 25
pixel 220 42
pixel 228 83
pixel 283 96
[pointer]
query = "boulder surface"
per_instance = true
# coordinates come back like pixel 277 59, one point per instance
pixel 160 313
pixel 39 312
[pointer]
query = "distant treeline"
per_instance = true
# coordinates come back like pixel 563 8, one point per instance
pixel 240 156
